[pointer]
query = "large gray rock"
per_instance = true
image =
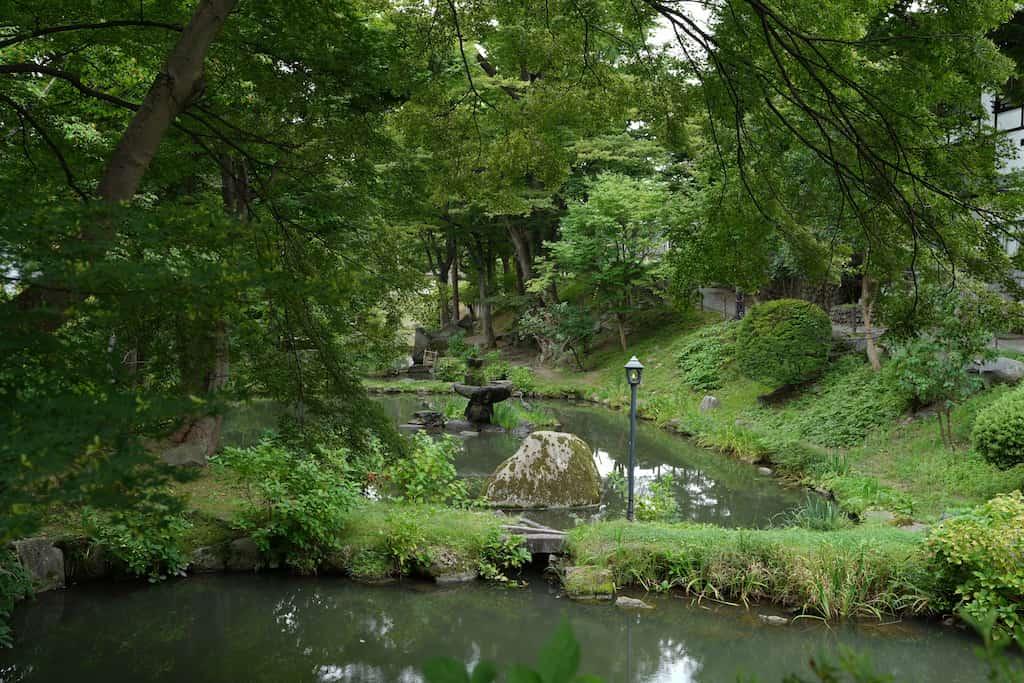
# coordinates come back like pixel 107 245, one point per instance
pixel 1002 370
pixel 43 561
pixel 550 470
pixel 208 559
pixel 244 555
pixel 482 399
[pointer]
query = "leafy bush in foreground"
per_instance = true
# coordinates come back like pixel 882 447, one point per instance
pixel 15 584
pixel 705 354
pixel 976 559
pixel 296 501
pixel 150 539
pixel 999 431
pixel 784 342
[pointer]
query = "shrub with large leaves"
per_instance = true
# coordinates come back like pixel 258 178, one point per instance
pixel 976 561
pixel 296 501
pixel 999 431
pixel 784 342
pixel 427 474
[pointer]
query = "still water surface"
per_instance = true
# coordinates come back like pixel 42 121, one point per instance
pixel 709 487
pixel 280 629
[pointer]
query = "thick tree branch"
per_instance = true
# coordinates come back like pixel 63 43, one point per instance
pixel 21 37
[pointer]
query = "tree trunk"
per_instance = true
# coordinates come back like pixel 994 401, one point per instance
pixel 453 256
pixel 203 344
pixel 524 252
pixel 173 89
pixel 621 323
pixel 866 306
pixel 486 326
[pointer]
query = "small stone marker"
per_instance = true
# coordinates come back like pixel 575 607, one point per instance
pixel 709 403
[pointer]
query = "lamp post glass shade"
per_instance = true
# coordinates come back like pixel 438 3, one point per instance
pixel 634 371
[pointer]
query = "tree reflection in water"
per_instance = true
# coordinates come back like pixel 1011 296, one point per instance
pixel 277 628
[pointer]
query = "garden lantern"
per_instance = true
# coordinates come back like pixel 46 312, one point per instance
pixel 634 373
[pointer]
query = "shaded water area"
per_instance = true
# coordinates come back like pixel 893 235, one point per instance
pixel 282 629
pixel 709 487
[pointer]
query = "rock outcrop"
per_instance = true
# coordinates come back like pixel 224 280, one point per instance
pixel 550 470
pixel 43 561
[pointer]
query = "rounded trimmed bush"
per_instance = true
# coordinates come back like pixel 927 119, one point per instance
pixel 785 341
pixel 999 431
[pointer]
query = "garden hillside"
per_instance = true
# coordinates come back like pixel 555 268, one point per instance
pixel 844 429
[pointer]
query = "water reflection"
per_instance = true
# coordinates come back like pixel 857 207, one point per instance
pixel 709 487
pixel 275 628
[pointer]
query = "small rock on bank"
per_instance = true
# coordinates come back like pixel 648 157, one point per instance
pixel 772 620
pixel 631 603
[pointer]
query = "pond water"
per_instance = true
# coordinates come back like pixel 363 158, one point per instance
pixel 709 487
pixel 282 629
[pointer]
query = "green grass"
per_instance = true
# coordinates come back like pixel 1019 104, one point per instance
pixel 382 539
pixel 858 572
pixel 843 433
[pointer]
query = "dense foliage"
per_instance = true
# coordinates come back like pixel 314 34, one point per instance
pixel 705 355
pixel 999 431
pixel 847 404
pixel 295 502
pixel 149 540
pixel 428 474
pixel 784 342
pixel 15 585
pixel 976 562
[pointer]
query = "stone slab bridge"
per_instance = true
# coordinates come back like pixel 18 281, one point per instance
pixel 540 539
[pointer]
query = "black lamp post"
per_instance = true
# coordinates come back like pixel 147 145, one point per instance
pixel 634 373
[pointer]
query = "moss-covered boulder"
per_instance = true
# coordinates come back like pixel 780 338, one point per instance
pixel 588 583
pixel 550 470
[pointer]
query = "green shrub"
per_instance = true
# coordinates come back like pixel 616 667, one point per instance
pixel 15 584
pixel 496 369
pixel 295 502
pixel 705 354
pixel 976 561
pixel 998 433
pixel 817 514
pixel 459 348
pixel 784 342
pixel 150 540
pixel 501 553
pixel 428 474
pixel 522 378
pixel 658 503
pixel 449 369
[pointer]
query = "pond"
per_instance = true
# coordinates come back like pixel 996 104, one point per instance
pixel 281 629
pixel 709 487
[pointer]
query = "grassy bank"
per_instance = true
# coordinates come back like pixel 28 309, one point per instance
pixel 842 433
pixel 858 572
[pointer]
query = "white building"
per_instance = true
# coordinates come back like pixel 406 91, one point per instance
pixel 1008 116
